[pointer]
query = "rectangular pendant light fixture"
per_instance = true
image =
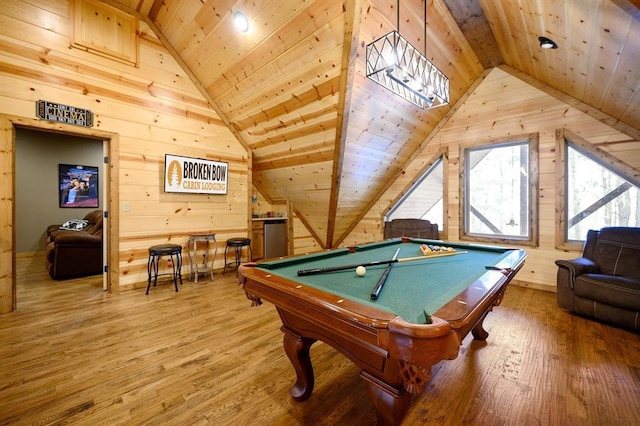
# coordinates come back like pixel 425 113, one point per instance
pixel 394 63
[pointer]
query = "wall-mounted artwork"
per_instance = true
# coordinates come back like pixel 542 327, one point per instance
pixel 78 186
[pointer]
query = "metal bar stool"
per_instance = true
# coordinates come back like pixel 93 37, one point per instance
pixel 155 253
pixel 236 244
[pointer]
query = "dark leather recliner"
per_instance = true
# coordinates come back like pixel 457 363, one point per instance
pixel 605 282
pixel 417 228
pixel 75 253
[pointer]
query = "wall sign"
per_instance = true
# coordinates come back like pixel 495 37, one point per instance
pixel 194 175
pixel 51 111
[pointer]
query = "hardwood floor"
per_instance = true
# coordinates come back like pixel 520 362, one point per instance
pixel 73 354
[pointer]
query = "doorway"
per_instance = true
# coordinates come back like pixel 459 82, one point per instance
pixel 46 165
pixel 9 127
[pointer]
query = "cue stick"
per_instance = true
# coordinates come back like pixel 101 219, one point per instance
pixel 313 271
pixel 383 279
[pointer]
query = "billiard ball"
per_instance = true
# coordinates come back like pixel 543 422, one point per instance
pixel 360 271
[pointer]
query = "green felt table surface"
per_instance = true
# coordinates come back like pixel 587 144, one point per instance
pixel 414 289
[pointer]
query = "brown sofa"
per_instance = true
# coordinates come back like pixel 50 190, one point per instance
pixel 417 228
pixel 605 282
pixel 71 253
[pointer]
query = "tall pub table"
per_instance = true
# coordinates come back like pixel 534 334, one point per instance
pixel 192 245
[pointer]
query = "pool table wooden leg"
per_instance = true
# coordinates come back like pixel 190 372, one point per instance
pixel 391 404
pixel 297 349
pixel 479 333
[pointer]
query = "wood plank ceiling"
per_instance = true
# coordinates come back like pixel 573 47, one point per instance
pixel 293 88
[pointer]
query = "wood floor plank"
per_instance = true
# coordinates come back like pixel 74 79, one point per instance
pixel 73 354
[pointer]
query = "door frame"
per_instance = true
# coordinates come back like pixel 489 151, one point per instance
pixel 8 124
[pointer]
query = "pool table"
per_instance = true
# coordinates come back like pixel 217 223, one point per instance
pixel 426 307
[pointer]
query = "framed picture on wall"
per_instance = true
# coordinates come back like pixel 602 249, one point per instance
pixel 194 175
pixel 78 186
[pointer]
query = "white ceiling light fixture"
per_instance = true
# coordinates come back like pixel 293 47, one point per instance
pixel 396 65
pixel 241 21
pixel 547 43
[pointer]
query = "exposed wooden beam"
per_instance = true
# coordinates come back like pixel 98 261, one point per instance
pixel 474 25
pixel 352 19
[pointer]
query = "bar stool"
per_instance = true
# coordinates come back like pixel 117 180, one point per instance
pixel 236 244
pixel 194 239
pixel 155 253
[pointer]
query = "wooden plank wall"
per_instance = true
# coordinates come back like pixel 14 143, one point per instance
pixel 303 241
pixel 501 106
pixel 153 109
pixel 7 213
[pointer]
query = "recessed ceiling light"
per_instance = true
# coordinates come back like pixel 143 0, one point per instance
pixel 547 43
pixel 241 21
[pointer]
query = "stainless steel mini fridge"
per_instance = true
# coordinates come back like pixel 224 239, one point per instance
pixel 275 238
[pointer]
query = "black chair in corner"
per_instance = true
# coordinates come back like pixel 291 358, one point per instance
pixel 416 228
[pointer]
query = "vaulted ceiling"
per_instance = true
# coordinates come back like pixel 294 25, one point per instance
pixel 293 88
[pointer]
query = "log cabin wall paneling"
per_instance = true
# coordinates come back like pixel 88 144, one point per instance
pixel 293 87
pixel 321 136
pixel 153 109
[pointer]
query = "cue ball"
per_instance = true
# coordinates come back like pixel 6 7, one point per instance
pixel 360 271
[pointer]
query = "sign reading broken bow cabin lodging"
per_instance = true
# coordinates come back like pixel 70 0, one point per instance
pixel 194 175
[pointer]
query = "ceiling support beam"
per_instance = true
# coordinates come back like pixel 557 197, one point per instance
pixel 352 21
pixel 474 25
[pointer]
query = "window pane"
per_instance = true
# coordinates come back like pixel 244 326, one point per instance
pixel 597 197
pixel 424 200
pixel 497 196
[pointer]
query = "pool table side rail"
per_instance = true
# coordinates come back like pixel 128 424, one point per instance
pixel 486 286
pixel 297 259
pixel 259 281
pixel 455 245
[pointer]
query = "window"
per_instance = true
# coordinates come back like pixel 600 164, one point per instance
pixel 424 199
pixel 500 183
pixel 598 191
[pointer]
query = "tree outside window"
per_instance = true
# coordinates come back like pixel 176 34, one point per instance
pixel 499 191
pixel 597 195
